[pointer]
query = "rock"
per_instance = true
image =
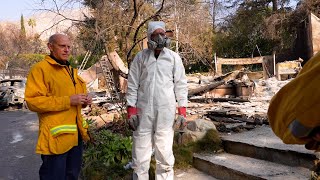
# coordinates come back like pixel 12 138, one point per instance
pixel 200 125
pixel 190 136
pixel 195 130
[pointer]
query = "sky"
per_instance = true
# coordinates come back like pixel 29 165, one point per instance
pixel 11 10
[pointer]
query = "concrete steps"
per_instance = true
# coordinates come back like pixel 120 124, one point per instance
pixel 229 166
pixel 286 157
pixel 256 154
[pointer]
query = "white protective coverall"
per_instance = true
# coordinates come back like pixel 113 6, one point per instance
pixel 154 87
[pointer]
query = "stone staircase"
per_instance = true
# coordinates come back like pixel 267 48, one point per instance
pixel 256 154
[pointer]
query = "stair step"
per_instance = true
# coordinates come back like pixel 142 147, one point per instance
pixel 261 143
pixel 286 157
pixel 191 174
pixel 229 166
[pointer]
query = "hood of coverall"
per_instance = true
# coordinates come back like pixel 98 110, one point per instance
pixel 153 25
pixel 158 42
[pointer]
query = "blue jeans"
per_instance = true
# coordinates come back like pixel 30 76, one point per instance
pixel 65 166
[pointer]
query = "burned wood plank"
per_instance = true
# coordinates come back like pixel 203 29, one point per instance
pixel 210 100
pixel 248 120
pixel 253 120
pixel 235 117
pixel 229 99
pixel 229 76
pixel 203 89
pixel 225 113
pixel 224 119
pixel 220 113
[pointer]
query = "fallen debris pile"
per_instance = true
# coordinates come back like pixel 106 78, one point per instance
pixel 232 113
pixel 225 108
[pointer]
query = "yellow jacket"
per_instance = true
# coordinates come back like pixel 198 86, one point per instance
pixel 299 102
pixel 48 90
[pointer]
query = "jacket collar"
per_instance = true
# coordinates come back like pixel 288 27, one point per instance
pixel 53 60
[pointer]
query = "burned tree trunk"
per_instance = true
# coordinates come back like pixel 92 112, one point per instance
pixel 203 89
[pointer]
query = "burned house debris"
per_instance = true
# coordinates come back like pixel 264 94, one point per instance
pixel 12 92
pixel 234 101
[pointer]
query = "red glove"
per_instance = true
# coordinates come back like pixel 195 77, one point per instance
pixel 131 111
pixel 182 111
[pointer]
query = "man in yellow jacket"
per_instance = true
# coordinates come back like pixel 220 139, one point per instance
pixel 57 94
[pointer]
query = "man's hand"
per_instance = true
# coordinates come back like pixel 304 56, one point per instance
pixel 180 123
pixel 132 117
pixel 80 99
pixel 133 122
pixel 88 101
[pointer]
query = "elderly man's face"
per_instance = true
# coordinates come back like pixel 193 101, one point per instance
pixel 159 36
pixel 157 32
pixel 61 47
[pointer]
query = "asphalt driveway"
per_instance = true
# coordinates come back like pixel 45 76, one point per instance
pixel 18 132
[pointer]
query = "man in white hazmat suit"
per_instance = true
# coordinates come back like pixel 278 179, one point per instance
pixel 156 85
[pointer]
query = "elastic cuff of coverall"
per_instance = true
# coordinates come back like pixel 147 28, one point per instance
pixel 182 111
pixel 131 111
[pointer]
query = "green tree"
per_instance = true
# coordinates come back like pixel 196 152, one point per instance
pixel 32 23
pixel 255 23
pixel 23 29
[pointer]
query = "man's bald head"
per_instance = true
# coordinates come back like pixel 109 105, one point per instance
pixel 53 38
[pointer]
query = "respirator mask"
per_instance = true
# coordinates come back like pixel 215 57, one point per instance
pixel 159 42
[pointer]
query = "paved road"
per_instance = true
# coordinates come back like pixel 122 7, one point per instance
pixel 18 135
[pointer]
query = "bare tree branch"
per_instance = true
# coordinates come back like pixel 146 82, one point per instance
pixel 134 17
pixel 146 20
pixel 156 14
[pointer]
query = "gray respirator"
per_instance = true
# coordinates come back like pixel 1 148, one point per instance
pixel 159 42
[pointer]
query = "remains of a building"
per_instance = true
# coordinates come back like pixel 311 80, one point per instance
pixel 308 38
pixel 106 82
pixel 95 76
pixel 288 69
pixel 234 101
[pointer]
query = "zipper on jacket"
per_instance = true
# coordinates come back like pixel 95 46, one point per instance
pixel 71 74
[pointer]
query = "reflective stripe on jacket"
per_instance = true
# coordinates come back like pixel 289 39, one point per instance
pixel 48 90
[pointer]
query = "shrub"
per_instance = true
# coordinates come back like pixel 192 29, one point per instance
pixel 105 158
